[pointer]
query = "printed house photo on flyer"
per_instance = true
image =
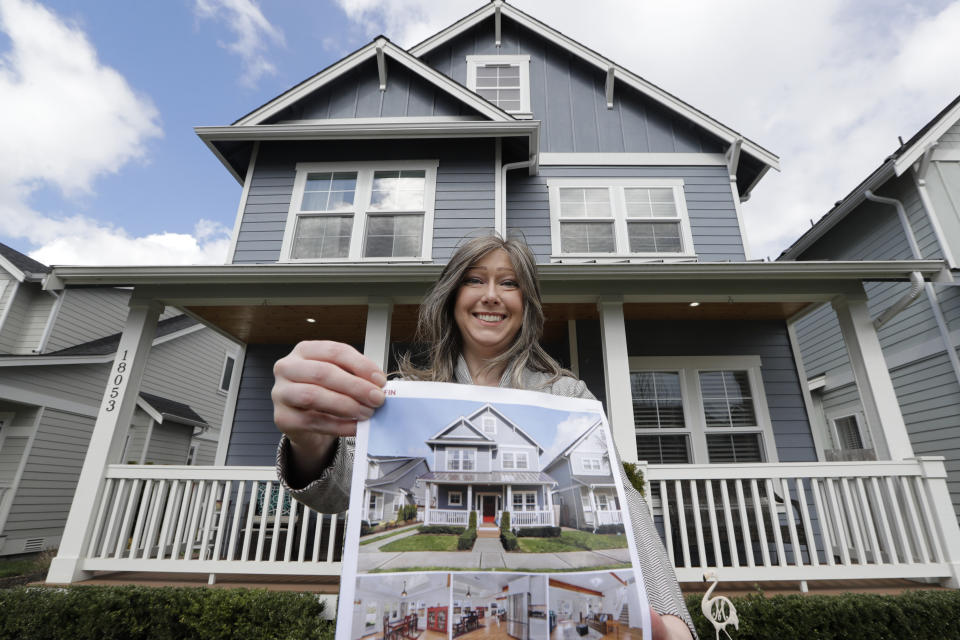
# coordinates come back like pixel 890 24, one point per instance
pixel 455 482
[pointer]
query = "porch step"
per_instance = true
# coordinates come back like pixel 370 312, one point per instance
pixel 488 532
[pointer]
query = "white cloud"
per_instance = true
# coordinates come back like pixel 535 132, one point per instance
pixel 87 122
pixel 253 32
pixel 826 85
pixel 567 431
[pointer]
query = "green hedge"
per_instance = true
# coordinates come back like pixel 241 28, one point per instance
pixel 915 615
pixel 538 532
pixel 441 528
pixel 473 520
pixel 609 528
pixel 509 540
pixel 466 539
pixel 149 613
pixel 505 521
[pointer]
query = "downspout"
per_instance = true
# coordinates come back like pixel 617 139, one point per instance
pixel 501 224
pixel 917 280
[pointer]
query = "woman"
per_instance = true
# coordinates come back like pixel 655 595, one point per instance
pixel 482 322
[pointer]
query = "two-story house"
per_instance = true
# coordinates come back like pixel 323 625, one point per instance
pixel 356 186
pixel 585 488
pixel 392 483
pixel 55 355
pixel 907 208
pixel 486 463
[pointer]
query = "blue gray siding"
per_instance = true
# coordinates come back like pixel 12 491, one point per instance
pixel 357 95
pixel 464 197
pixel 254 438
pixel 568 96
pixel 87 314
pixel 713 215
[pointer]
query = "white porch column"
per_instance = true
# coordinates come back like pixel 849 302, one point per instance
pixel 509 505
pixel 469 501
pixel 616 373
pixel 948 530
pixel 549 496
pixel 109 433
pixel 870 372
pixel 376 342
pixel 428 488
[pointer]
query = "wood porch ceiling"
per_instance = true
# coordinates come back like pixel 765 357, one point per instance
pixel 287 324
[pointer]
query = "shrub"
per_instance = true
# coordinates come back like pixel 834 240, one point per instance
pixel 473 520
pixel 142 613
pixel 509 540
pixel 635 476
pixel 610 528
pixel 466 539
pixel 914 615
pixel 441 528
pixel 538 532
pixel 505 521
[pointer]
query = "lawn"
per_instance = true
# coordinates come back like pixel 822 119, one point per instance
pixel 25 566
pixel 572 541
pixel 385 536
pixel 423 542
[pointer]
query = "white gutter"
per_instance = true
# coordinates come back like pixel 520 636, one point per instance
pixel 500 225
pixel 905 301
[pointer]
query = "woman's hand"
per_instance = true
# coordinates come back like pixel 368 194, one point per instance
pixel 320 390
pixel 668 627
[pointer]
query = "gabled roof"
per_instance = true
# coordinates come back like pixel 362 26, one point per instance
pixel 456 423
pixel 605 64
pixel 108 344
pixel 20 266
pixel 161 409
pixel 894 165
pixel 493 409
pixel 399 472
pixel 380 46
pixel 573 444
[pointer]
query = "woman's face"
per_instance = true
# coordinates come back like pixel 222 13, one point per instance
pixel 489 306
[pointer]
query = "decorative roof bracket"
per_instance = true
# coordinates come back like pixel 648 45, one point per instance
pixel 382 64
pixel 924 163
pixel 496 22
pixel 733 157
pixel 610 78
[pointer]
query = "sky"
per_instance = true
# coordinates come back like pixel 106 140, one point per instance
pixel 99 163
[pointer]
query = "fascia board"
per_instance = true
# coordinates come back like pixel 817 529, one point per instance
pixel 39 361
pixel 346 130
pixel 12 270
pixel 150 411
pixel 656 93
pixel 833 217
pixel 907 157
pixel 213 148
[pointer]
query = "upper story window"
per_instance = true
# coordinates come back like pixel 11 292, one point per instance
pixel 700 409
pixel 503 80
pixel 641 218
pixel 591 465
pixel 489 425
pixel 226 375
pixel 361 211
pixel 515 460
pixel 461 459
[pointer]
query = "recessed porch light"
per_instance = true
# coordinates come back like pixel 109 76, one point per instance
pixel 694 304
pixel 311 320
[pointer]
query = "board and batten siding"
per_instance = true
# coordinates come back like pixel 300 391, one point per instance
pixel 88 314
pixel 357 94
pixel 568 96
pixel 464 200
pixel 49 479
pixel 26 319
pixel 709 201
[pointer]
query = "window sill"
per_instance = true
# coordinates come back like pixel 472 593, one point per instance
pixel 611 258
pixel 420 260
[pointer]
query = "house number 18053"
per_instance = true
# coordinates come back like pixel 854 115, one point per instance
pixel 119 373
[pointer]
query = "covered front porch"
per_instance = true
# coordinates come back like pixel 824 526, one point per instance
pixel 452 496
pixel 780 515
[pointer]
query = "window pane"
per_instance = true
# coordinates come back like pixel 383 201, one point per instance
pixel 734 447
pixel 663 449
pixel 726 399
pixel 657 401
pixel 579 202
pixel 654 237
pixel 848 432
pixel 587 237
pixel 510 94
pixel 393 236
pixel 646 203
pixel 397 191
pixel 329 191
pixel 322 237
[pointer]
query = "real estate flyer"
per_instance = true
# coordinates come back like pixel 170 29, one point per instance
pixel 485 513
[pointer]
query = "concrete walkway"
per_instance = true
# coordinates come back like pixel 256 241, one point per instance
pixel 374 546
pixel 488 554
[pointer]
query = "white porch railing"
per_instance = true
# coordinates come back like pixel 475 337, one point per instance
pixel 807 521
pixel 609 517
pixel 208 520
pixel 531 518
pixel 448 517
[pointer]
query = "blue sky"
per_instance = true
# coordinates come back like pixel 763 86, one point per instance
pixel 98 100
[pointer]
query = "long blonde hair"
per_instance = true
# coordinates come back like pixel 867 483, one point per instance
pixel 437 330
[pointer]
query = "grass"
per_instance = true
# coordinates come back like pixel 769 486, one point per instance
pixel 602 567
pixel 423 542
pixel 38 563
pixel 385 536
pixel 572 541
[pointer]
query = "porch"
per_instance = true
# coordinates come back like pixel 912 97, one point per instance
pixel 532 504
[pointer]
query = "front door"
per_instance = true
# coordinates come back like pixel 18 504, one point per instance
pixel 489 508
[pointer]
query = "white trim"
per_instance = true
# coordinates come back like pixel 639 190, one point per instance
pixel 932 216
pixel 417 128
pixel 616 187
pixel 147 408
pixel 6 309
pixel 242 207
pixel 6 417
pixel 849 410
pixel 616 372
pixel 805 388
pixel 230 408
pixel 604 64
pixel 633 159
pixel 227 355
pixel 146 442
pixel 337 69
pixel 26 396
pixel 12 270
pixel 695 428
pixel 21 466
pixel 51 320
pixel 918 148
pixel 734 191
pixel 499 213
pixel 483 421
pixel 365 171
pixel 946 155
pixel 522 62
pixel 450 502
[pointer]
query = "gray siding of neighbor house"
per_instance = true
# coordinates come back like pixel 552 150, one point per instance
pixel 88 314
pixel 357 95
pixel 464 199
pixel 767 339
pixel 13 447
pixel 569 97
pixel 26 320
pixel 169 443
pixel 8 284
pixel 84 383
pixel 713 215
pixel 50 476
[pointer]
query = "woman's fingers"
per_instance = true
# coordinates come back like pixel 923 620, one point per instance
pixel 312 398
pixel 342 355
pixel 300 425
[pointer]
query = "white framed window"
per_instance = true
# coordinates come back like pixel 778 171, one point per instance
pixel 461 459
pixel 192 454
pixel 591 465
pixel 631 217
pixel 700 409
pixel 502 80
pixel 361 211
pixel 585 499
pixel 226 375
pixel 524 500
pixel 455 498
pixel 848 431
pixel 515 460
pixel 488 425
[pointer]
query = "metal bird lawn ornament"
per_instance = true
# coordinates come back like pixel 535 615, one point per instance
pixel 718 609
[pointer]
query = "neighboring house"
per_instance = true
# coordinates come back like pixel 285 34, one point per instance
pixel 908 208
pixel 391 484
pixel 483 462
pixel 56 350
pixel 585 488
pixel 357 185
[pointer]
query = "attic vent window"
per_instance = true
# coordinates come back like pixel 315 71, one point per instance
pixel 502 80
